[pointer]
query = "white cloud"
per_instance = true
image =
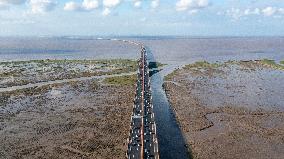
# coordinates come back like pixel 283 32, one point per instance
pixel 137 4
pixel 183 5
pixel 255 11
pixel 234 13
pixel 106 12
pixel 155 3
pixel 41 6
pixel 87 5
pixel 108 4
pixel 269 11
pixel 111 3
pixel 72 6
pixel 237 14
pixel 90 4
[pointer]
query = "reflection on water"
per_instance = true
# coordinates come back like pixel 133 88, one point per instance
pixel 254 89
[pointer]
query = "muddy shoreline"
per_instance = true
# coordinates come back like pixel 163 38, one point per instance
pixel 83 119
pixel 227 128
pixel 17 73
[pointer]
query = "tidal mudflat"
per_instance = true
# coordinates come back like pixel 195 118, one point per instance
pixel 174 51
pixel 230 109
pixel 27 72
pixel 78 119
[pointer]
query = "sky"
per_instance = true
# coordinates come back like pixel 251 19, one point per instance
pixel 141 17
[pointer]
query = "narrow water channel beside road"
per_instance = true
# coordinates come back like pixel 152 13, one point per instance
pixel 172 144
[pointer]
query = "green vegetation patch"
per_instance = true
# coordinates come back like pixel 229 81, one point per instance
pixel 202 64
pixel 196 67
pixel 272 64
pixel 65 61
pixel 199 65
pixel 268 62
pixel 125 64
pixel 14 73
pixel 121 80
pixel 171 75
pixel 33 71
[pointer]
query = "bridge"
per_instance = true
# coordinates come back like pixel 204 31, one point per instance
pixel 143 143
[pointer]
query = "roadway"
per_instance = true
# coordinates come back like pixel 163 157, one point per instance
pixel 143 143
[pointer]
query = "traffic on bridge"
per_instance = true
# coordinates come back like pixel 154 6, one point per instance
pixel 143 143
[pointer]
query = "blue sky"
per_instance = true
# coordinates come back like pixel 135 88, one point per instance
pixel 142 17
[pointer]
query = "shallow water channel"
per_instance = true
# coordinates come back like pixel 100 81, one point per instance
pixel 172 144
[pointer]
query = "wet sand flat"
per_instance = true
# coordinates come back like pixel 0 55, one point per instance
pixel 229 110
pixel 17 73
pixel 84 119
